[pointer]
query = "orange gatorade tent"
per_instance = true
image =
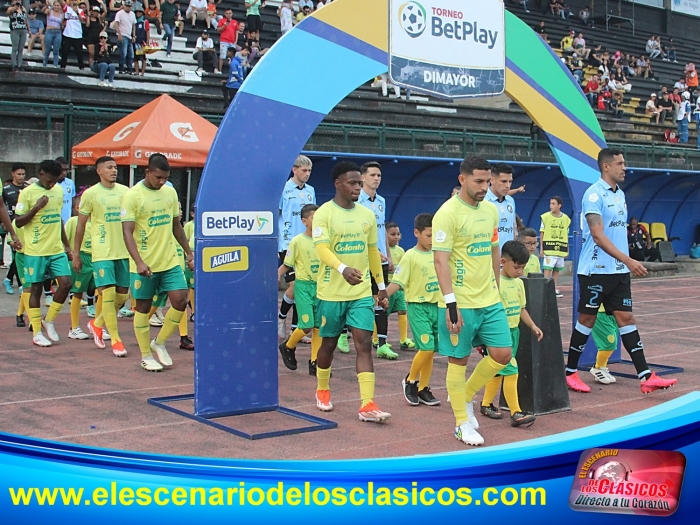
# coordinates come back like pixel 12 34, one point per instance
pixel 161 126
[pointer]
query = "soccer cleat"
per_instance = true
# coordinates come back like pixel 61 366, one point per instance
pixel 574 383
pixel 118 349
pixel 105 334
pixel 288 356
pixel 426 397
pixel 40 340
pixel 471 418
pixel 282 328
pixel 343 343
pixel 125 312
pixel 372 414
pixel 96 332
pixel 77 333
pixel 150 364
pixel 162 353
pixel 90 310
pixel 155 321
pixel 186 343
pixel 655 382
pixel 407 344
pixel 603 375
pixel 482 350
pixel 48 299
pixel 312 368
pixel 323 400
pixel 468 435
pixel 491 412
pixel 83 303
pixel 159 314
pixel 385 352
pixel 558 293
pixel 8 286
pixel 20 321
pixel 50 330
pixel 410 391
pixel 521 418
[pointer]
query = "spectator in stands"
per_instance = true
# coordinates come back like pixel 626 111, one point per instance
pixel 565 11
pixel 236 76
pixel 306 3
pixel 319 5
pixel 653 48
pixel 616 105
pixel 643 67
pixel 256 52
pixel 576 67
pixel 168 16
pixel 306 11
pixel 228 31
pixel 567 43
pixel 661 48
pixel 211 10
pixel 103 63
pixel 125 27
pixel 36 31
pixel 580 47
pixel 555 7
pixel 683 116
pixel 19 28
pixel 691 77
pixel 604 69
pixel 620 82
pixel 524 4
pixel 179 19
pixel 541 30
pixel 596 56
pixel 651 108
pixel 197 10
pixel 671 51
pixel 383 82
pixel 142 28
pixel 53 36
pixel 114 7
pixel 675 98
pixel 153 15
pixel 204 52
pixel 592 89
pixel 253 17
pixel 91 32
pixel 662 92
pixel 284 12
pixel 639 241
pixel 242 37
pixel 584 15
pixel 72 34
pixel 665 105
pixel 681 84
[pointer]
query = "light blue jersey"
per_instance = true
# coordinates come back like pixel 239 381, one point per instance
pixel 600 199
pixel 506 215
pixel 378 207
pixel 294 198
pixel 68 193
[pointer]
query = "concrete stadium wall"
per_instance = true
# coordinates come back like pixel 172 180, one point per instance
pixel 29 146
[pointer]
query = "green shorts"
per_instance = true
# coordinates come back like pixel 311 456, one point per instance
pixel 423 318
pixel 111 273
pixel 160 300
pixel 605 332
pixel 512 368
pixel 336 315
pixel 145 288
pixel 37 266
pixel 189 277
pixel 397 302
pixel 306 303
pixel 19 263
pixel 488 326
pixel 81 281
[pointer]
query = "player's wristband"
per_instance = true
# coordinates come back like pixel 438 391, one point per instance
pixel 381 286
pixel 341 268
pixel 452 308
pixel 450 298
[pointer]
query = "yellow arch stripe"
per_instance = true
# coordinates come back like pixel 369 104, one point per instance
pixel 373 29
pixel 547 116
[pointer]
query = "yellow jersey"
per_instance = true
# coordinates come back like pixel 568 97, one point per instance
pixel 554 234
pixel 469 234
pixel 303 257
pixel 103 206
pixel 153 212
pixel 532 266
pixel 416 275
pixel 70 227
pixel 396 255
pixel 42 235
pixel 513 299
pixel 189 233
pixel 349 234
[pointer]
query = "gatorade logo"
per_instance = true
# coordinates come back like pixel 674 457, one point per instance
pixel 183 131
pixel 478 249
pixel 349 247
pixel 159 220
pixel 125 131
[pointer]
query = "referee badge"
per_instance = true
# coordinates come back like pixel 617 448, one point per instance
pixel 510 209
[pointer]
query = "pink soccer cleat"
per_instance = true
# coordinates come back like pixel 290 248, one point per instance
pixel 656 383
pixel 574 383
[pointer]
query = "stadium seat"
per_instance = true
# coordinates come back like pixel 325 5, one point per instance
pixel 658 233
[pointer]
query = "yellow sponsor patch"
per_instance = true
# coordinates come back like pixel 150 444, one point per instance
pixel 323 321
pixel 225 259
pixel 137 284
pixel 513 362
pixel 102 272
pixel 424 338
pixel 77 284
pixel 31 271
pixel 611 338
pixel 305 318
pixel 454 339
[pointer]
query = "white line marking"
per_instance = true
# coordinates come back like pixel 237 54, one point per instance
pixel 59 398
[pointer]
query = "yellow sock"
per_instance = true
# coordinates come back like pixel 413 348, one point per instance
pixel 142 330
pixel 109 313
pixel 54 309
pixel 98 305
pixel 323 378
pixel 297 335
pixel 510 390
pixel 403 327
pixel 418 363
pixel 171 322
pixel 375 337
pixel 152 311
pixel 601 359
pixel 427 371
pixel 192 300
pixel 454 381
pixel 120 300
pixel 366 381
pixel 492 388
pixel 183 326
pixel 23 303
pixel 484 372
pixel 315 344
pixel 35 319
pixel 74 312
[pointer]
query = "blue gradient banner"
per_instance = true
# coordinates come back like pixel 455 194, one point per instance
pixel 524 482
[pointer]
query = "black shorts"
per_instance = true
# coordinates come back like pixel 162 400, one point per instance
pixel 253 23
pixel 612 290
pixel 385 272
pixel 290 275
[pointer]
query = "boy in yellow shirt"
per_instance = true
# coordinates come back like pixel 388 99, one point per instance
pixel 302 257
pixel 415 276
pixel 397 302
pixel 514 257
pixel 554 237
pixel 81 280
pixel 528 237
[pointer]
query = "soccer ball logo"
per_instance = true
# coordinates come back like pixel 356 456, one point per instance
pixel 412 18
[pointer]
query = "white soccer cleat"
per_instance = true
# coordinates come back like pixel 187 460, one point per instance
pixel 281 328
pixel 155 321
pixel 40 340
pixel 50 330
pixel 150 364
pixel 468 435
pixel 603 375
pixel 162 353
pixel 105 334
pixel 77 333
pixel 471 418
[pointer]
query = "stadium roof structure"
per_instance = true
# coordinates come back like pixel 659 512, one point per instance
pixel 161 126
